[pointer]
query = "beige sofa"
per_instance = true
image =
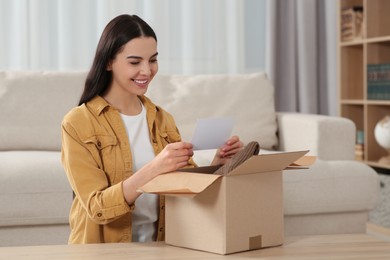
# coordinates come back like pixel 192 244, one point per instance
pixel 333 196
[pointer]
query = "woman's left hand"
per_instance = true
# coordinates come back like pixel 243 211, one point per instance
pixel 226 152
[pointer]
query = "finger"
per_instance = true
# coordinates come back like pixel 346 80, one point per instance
pixel 181 161
pixel 236 145
pixel 233 140
pixel 180 145
pixel 182 164
pixel 231 152
pixel 184 152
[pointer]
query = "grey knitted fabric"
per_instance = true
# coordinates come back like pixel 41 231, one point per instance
pixel 248 151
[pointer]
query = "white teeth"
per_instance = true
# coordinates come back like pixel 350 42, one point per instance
pixel 140 81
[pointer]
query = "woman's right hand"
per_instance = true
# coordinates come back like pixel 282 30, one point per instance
pixel 172 157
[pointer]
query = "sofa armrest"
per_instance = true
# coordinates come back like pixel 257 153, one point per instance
pixel 327 137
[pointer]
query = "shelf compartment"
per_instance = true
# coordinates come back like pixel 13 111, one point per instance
pixel 352 76
pixel 377 18
pixel 379 52
pixel 376 112
pixel 378 71
pixel 354 113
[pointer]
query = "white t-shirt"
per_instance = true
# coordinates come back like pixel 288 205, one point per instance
pixel 145 213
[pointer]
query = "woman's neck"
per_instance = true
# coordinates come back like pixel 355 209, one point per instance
pixel 128 105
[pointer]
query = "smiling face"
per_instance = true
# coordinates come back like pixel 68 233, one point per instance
pixel 133 68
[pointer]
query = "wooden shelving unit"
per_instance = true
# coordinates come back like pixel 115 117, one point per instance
pixel 354 56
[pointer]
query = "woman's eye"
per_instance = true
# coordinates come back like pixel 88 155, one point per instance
pixel 153 61
pixel 134 62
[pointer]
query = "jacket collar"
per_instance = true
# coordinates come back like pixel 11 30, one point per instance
pixel 98 104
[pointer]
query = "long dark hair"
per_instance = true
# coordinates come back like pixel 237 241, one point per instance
pixel 117 33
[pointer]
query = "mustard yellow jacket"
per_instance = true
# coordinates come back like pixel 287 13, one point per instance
pixel 97 159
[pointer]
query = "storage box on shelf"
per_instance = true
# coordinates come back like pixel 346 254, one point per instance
pixel 352 23
pixel 363 101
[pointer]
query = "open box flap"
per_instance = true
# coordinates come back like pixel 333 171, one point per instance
pixel 195 180
pixel 304 161
pixel 179 183
pixel 267 162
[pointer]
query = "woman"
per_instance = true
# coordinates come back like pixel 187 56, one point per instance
pixel 117 140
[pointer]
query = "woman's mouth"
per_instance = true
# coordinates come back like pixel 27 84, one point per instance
pixel 141 82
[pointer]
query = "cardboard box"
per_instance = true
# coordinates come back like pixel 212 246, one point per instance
pixel 226 214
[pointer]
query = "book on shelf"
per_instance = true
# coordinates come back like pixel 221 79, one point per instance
pixel 359 146
pixel 378 81
pixel 359 152
pixel 352 23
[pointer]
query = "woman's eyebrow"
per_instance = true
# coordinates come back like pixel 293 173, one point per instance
pixel 140 58
pixel 134 57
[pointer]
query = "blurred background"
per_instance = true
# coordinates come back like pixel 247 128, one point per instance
pixel 294 41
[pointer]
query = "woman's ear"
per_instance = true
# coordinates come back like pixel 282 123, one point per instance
pixel 109 66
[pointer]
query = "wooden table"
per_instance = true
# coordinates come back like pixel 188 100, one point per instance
pixel 356 246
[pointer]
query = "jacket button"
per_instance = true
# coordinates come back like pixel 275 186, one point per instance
pixel 154 140
pixel 99 144
pixel 99 215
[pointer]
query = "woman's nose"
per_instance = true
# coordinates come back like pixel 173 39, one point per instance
pixel 145 69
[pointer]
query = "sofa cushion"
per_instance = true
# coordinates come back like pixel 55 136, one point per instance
pixel 35 127
pixel 248 98
pixel 34 189
pixel 32 106
pixel 330 187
